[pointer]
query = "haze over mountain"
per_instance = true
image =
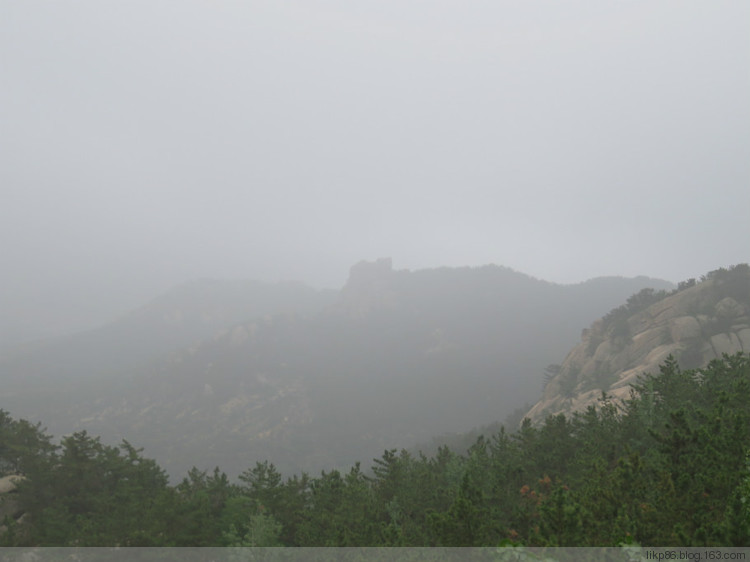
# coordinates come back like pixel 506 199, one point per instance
pixel 186 314
pixel 306 380
pixel 144 144
pixel 318 388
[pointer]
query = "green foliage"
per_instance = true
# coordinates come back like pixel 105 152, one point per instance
pixel 262 484
pixel 594 340
pixel 643 299
pixel 682 285
pixel 200 504
pixel 258 529
pixel 732 282
pixel 90 494
pixel 615 322
pixel 737 522
pixel 568 383
pixel 550 372
pixel 22 445
pixel 670 466
pixel 692 356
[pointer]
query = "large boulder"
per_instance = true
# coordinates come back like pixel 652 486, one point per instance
pixel 8 483
pixel 684 328
pixel 728 343
pixel 729 308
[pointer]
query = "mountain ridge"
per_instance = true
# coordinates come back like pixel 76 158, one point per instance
pixel 394 358
pixel 187 313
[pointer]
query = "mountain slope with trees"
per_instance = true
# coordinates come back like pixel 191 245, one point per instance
pixel 697 322
pixel 187 314
pixel 397 358
pixel 668 467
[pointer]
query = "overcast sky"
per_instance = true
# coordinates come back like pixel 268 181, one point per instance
pixel 144 143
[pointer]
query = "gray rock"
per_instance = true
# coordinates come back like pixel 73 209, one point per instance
pixel 744 336
pixel 725 343
pixel 729 308
pixel 8 483
pixel 684 328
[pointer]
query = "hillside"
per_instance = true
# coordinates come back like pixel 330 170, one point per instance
pixel 185 315
pixel 396 358
pixel 696 323
pixel 669 467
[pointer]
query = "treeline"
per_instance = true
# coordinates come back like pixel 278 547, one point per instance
pixel 733 282
pixel 669 467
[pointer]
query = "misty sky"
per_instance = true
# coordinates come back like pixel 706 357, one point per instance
pixel 144 143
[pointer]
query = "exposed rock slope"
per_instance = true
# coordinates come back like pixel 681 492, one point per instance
pixel 696 323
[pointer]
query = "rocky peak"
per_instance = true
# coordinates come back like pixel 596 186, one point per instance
pixel 695 323
pixel 370 285
pixel 369 272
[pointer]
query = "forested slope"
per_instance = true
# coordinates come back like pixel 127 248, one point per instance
pixel 395 358
pixel 667 467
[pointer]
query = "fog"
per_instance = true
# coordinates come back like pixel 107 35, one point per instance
pixel 143 144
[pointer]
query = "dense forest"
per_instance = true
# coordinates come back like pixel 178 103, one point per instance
pixel 668 467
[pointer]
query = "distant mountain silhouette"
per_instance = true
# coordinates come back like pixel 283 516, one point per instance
pixel 188 313
pixel 394 358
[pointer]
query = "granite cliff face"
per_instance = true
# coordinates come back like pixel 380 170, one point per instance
pixel 696 323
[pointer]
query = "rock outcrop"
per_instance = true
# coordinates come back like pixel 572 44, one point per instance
pixel 695 324
pixel 370 286
pixel 9 507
